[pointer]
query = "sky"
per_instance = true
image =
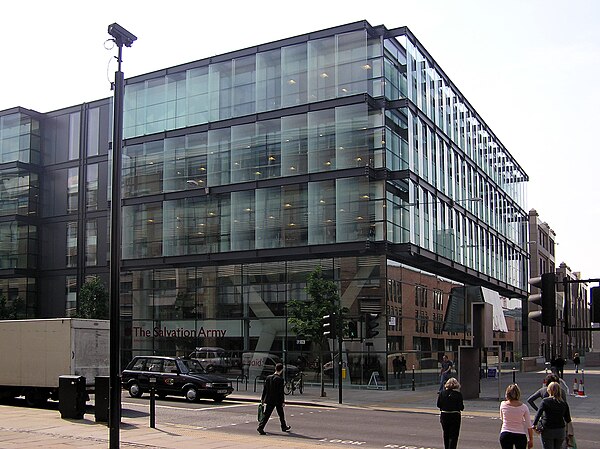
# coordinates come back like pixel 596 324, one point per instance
pixel 529 68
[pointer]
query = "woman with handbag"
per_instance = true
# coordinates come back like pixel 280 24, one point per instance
pixel 554 415
pixel 516 421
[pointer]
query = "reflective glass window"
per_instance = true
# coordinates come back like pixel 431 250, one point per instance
pixel 221 84
pixel 72 244
pixel 352 214
pixel 242 220
pixel 294 216
pixel 73 190
pixel 197 96
pixel 352 134
pixel 143 169
pixel 19 139
pixel 71 295
pixel 91 243
pixel 321 212
pixel 268 218
pixel 268 80
pixel 353 69
pixel 142 231
pixel 74 132
pixel 267 145
pixel 16 241
pixel 321 141
pixel 19 193
pixel 93 132
pixel 155 105
pixel 176 100
pixel 134 118
pixel 244 160
pixel 244 79
pixel 185 162
pixel 294 83
pixel 294 145
pixel 91 187
pixel 321 69
pixel 219 157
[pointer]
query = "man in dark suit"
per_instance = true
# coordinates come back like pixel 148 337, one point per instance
pixel 560 366
pixel 273 397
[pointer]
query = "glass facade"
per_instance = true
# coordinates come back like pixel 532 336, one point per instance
pixel 433 176
pixel 18 245
pixel 19 192
pixel 19 139
pixel 20 145
pixel 239 307
pixel 466 202
pixel 333 67
pixel 242 173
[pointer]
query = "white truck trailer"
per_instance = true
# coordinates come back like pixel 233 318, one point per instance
pixel 35 353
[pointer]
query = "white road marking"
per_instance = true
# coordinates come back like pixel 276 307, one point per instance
pixel 183 426
pixel 172 407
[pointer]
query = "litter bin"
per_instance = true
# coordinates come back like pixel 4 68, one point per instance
pixel 101 399
pixel 71 397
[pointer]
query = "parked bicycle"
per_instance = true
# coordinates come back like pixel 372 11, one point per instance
pixel 294 384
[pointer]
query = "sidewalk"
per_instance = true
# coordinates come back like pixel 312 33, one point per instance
pixel 25 428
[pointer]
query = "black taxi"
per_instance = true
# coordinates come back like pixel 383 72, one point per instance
pixel 175 376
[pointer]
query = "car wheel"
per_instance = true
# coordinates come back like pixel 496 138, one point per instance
pixel 191 394
pixel 218 398
pixel 35 398
pixel 134 390
pixel 210 369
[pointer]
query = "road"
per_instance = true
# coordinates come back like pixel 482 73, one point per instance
pixel 346 426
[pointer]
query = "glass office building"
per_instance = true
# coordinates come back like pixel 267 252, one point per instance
pixel 347 148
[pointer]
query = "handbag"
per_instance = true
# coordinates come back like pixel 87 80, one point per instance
pixel 539 427
pixel 261 412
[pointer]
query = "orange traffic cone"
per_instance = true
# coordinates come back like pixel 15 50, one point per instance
pixel 575 387
pixel 581 389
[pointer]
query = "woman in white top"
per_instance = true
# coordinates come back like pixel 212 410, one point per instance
pixel 516 421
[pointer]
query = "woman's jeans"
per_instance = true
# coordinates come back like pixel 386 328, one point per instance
pixel 553 438
pixel 451 427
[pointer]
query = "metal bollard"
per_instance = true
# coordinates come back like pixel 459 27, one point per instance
pixel 514 375
pixel 152 402
pixel 413 378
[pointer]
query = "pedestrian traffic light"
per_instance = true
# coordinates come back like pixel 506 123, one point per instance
pixel 546 299
pixel 371 325
pixel 329 323
pixel 595 295
pixel 352 329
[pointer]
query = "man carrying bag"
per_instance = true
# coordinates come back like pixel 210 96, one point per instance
pixel 274 397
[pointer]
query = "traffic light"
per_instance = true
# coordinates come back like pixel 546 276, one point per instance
pixel 595 295
pixel 371 325
pixel 329 325
pixel 546 299
pixel 352 329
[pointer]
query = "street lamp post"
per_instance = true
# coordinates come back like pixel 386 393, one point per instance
pixel 121 37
